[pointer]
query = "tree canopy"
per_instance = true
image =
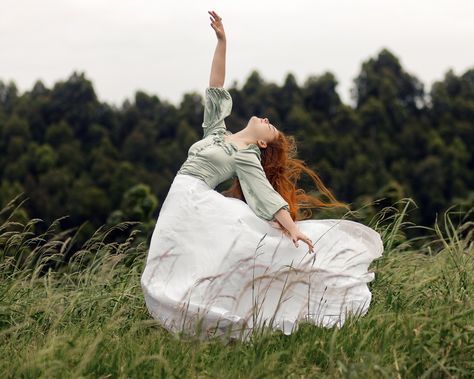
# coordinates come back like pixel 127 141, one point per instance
pixel 74 155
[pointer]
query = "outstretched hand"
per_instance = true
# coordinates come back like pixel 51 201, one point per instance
pixel 216 24
pixel 297 235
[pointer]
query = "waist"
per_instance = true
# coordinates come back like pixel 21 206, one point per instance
pixel 191 180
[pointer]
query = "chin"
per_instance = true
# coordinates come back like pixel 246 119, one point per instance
pixel 254 120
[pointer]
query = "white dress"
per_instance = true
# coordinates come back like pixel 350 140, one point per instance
pixel 214 267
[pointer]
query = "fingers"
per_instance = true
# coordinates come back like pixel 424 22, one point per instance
pixel 215 27
pixel 306 240
pixel 310 244
pixel 214 16
pixel 216 24
pixel 213 13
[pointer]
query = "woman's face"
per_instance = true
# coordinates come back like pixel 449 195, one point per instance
pixel 262 129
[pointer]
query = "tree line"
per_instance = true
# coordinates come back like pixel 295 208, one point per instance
pixel 73 155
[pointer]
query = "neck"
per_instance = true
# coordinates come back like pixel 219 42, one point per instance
pixel 243 136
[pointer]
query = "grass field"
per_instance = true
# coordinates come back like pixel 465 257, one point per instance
pixel 88 319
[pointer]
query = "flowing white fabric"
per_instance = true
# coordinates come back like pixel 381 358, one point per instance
pixel 214 267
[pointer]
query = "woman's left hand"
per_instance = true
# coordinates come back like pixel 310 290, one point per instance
pixel 296 235
pixel 217 25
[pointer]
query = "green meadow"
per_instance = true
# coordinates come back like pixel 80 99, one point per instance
pixel 88 319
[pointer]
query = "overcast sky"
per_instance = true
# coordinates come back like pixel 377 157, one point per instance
pixel 165 47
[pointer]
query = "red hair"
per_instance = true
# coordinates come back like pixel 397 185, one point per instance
pixel 283 170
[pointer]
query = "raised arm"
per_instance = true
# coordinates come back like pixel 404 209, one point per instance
pixel 218 62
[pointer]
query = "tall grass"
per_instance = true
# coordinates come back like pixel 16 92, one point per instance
pixel 73 314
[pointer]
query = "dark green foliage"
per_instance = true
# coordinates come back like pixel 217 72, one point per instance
pixel 73 155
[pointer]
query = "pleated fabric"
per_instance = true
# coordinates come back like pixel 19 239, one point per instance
pixel 215 268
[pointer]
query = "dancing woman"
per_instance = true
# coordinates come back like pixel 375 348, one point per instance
pixel 231 261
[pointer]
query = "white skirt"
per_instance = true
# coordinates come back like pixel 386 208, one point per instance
pixel 215 268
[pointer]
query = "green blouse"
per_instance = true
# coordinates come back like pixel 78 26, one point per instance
pixel 214 160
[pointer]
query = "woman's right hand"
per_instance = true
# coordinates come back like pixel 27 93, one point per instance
pixel 216 24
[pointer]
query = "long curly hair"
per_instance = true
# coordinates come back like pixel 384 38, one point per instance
pixel 283 170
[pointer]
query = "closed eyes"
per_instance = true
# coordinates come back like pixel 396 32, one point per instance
pixel 270 127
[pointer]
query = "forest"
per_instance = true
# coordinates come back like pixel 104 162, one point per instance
pixel 71 156
pixel 72 305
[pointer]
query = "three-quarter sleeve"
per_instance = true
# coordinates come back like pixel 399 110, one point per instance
pixel 259 194
pixel 217 106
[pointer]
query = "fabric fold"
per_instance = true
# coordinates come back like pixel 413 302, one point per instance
pixel 242 274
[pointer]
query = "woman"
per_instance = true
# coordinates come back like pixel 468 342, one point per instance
pixel 232 262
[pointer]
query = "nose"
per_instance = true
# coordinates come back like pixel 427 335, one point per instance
pixel 266 120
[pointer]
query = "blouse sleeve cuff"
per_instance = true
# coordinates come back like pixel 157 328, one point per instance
pixel 219 91
pixel 282 207
pixel 271 215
